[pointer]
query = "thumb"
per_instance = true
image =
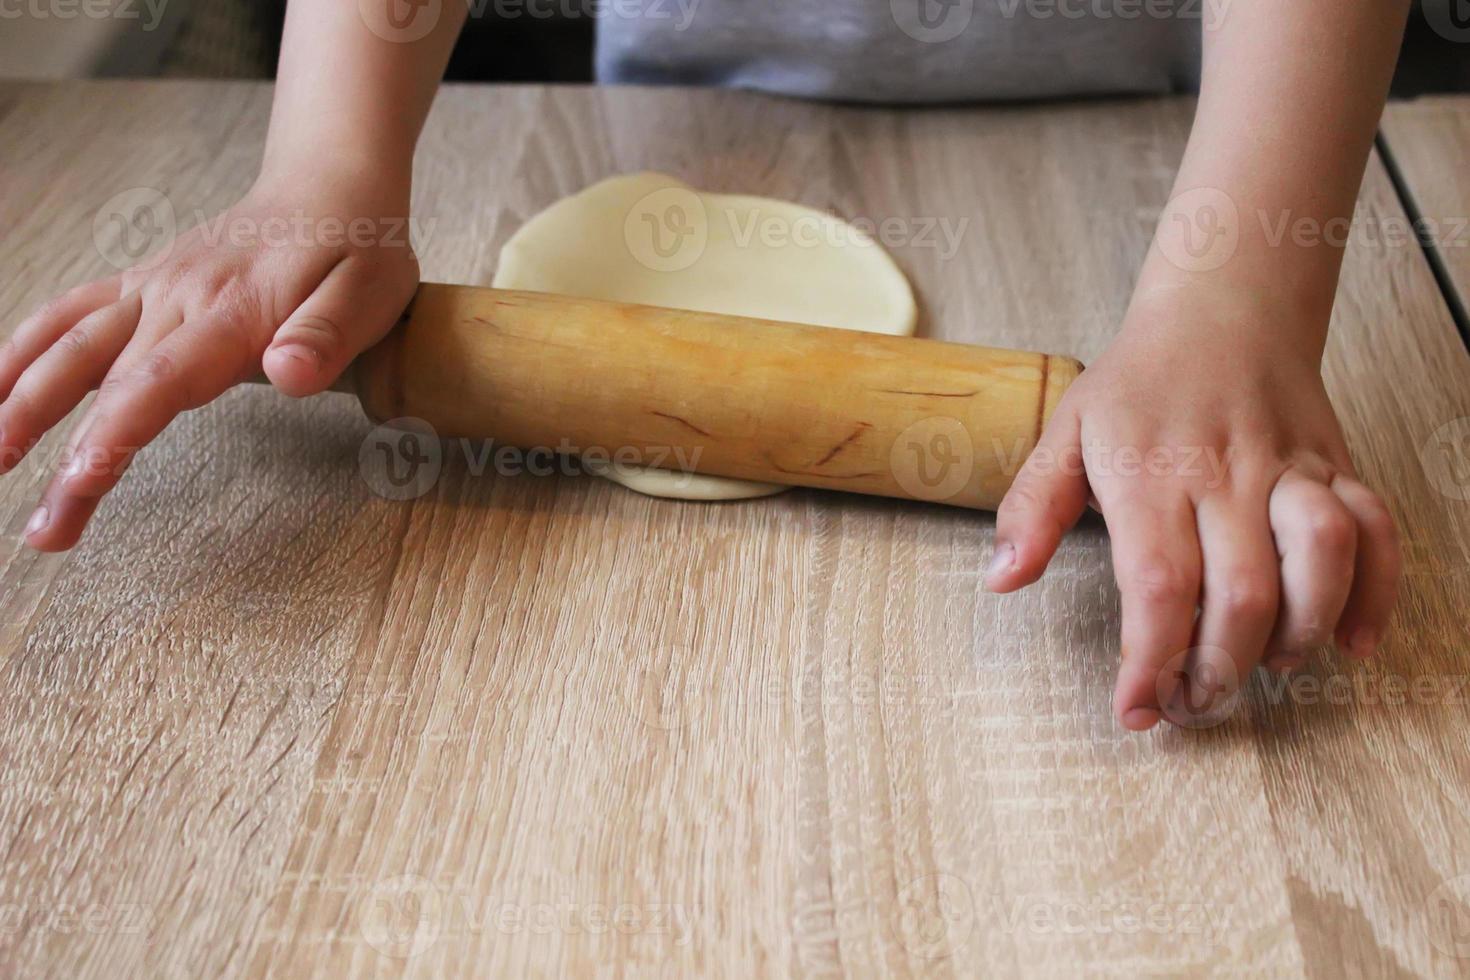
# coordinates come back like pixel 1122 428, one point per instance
pixel 355 305
pixel 1046 499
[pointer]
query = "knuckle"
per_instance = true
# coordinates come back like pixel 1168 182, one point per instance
pixel 159 369
pixel 238 332
pixel 75 343
pixel 112 382
pixel 1161 582
pixel 1024 497
pixel 1332 530
pixel 213 286
pixel 1307 636
pixel 319 332
pixel 233 298
pixel 1378 520
pixel 167 281
pixel 244 340
pixel 162 380
pixel 1249 595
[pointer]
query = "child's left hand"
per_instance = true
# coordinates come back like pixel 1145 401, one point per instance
pixel 1214 455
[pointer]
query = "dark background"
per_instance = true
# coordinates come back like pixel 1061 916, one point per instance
pixel 240 38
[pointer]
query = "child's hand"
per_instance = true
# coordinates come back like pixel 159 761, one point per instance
pixel 1216 460
pixel 280 282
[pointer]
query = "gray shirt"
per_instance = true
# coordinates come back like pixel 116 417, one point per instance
pixel 907 51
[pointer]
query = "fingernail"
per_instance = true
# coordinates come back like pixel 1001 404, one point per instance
pixel 1140 719
pixel 1363 644
pixel 1003 560
pixel 38 520
pixel 299 352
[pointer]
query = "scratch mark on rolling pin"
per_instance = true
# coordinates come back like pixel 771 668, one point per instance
pixel 681 421
pixel 831 453
pixel 1041 399
pixel 826 476
pixel 931 394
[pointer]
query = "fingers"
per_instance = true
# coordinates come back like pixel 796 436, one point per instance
pixel 1241 585
pixel 1156 560
pixel 190 367
pixel 62 375
pixel 35 334
pixel 349 312
pixel 1316 539
pixel 1376 569
pixel 1046 499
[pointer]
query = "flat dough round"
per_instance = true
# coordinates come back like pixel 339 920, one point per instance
pixel 649 238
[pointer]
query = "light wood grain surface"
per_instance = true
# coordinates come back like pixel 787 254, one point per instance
pixel 1429 142
pixel 265 721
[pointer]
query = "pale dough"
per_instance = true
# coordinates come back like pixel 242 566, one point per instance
pixel 649 238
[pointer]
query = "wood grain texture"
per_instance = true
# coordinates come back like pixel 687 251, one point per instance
pixel 264 721
pixel 1429 141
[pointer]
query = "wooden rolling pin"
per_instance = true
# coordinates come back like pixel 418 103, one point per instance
pixel 728 396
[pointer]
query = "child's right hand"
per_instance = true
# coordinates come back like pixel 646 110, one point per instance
pixel 280 282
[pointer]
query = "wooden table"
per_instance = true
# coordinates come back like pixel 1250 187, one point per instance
pixel 1429 144
pixel 265 720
